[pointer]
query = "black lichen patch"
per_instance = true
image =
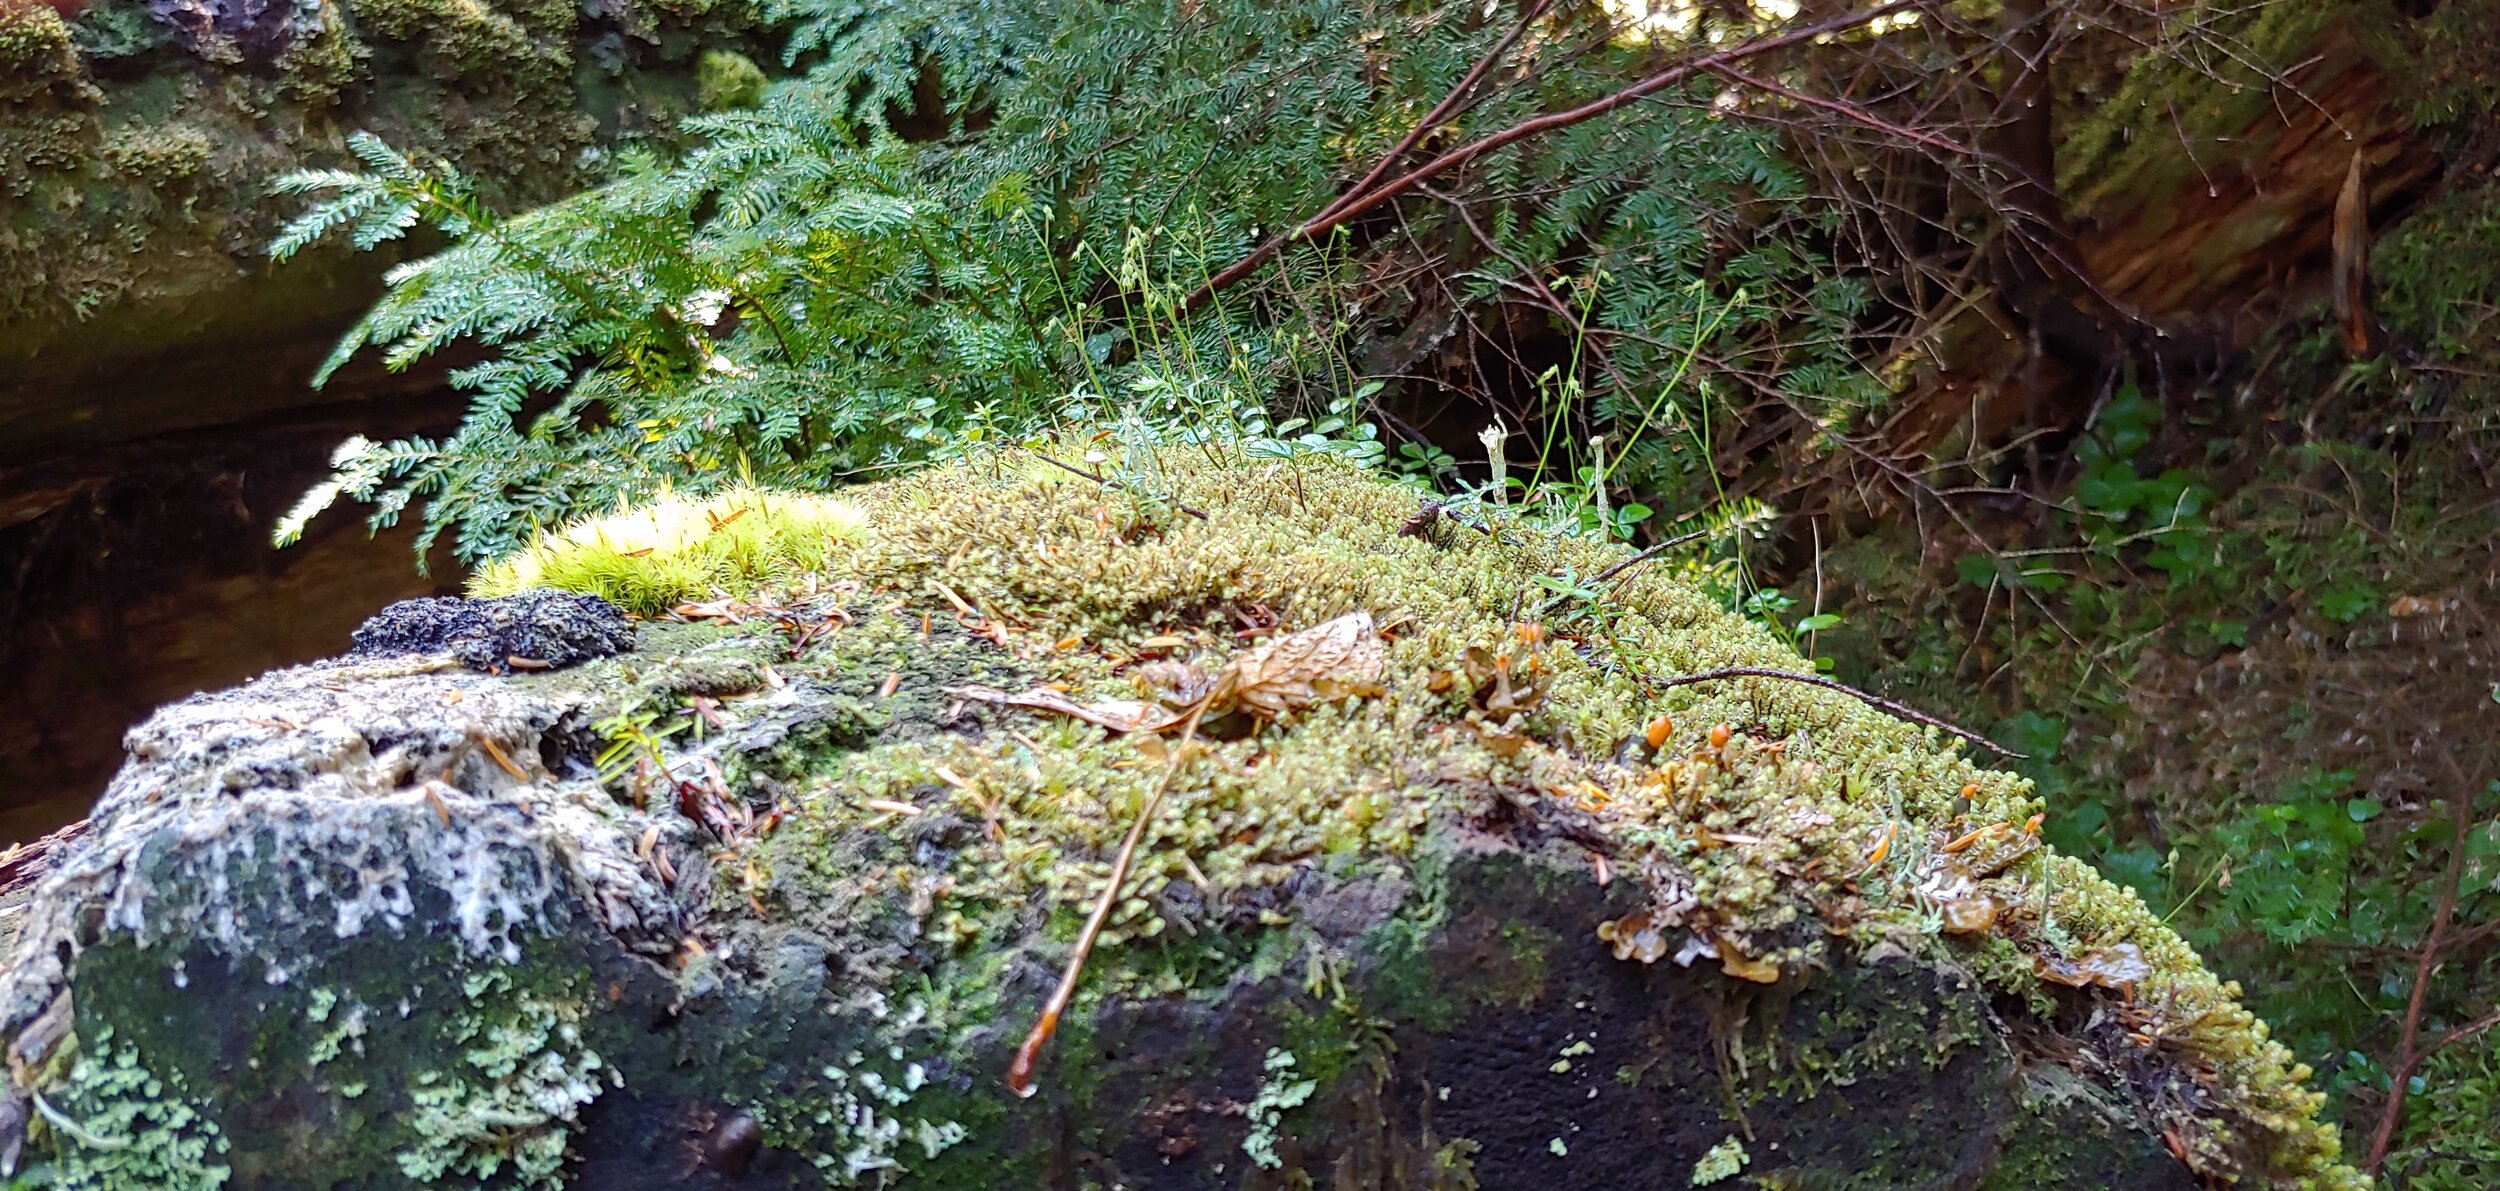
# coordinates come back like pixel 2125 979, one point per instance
pixel 535 630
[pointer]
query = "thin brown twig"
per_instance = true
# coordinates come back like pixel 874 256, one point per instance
pixel 1646 554
pixel 1848 111
pixel 25 863
pixel 2410 1054
pixel 1020 1072
pixel 1878 702
pixel 1442 111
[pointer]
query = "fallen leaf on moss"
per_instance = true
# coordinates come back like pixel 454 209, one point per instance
pixel 1173 684
pixel 1968 915
pixel 2116 967
pixel 1340 659
pixel 1634 936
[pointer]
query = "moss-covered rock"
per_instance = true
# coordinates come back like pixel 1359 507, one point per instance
pixel 770 899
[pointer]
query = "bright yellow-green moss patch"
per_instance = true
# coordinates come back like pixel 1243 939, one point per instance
pixel 681 548
pixel 1779 829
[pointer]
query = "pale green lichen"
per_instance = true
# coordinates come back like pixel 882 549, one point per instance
pixel 523 1077
pixel 1281 1090
pixel 336 1037
pixel 120 1126
pixel 678 548
pixel 1723 1161
pixel 854 1124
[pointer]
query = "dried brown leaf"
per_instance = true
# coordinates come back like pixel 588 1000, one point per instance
pixel 1173 684
pixel 2116 967
pixel 1760 971
pixel 1339 659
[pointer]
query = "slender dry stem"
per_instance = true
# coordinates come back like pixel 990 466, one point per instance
pixel 1020 1072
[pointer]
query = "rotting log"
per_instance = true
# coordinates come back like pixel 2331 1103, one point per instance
pixel 2201 201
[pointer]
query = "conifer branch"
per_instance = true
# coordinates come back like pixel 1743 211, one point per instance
pixel 1356 203
pixel 1442 111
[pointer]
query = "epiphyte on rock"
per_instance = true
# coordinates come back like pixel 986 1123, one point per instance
pixel 534 630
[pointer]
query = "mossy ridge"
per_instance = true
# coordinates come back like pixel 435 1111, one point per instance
pixel 2128 143
pixel 1814 778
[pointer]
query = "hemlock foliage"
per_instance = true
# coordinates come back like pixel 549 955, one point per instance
pixel 809 297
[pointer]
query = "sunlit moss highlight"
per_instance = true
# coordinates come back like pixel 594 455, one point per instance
pixel 681 548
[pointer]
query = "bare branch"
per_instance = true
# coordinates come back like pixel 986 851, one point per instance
pixel 1356 203
pixel 1878 702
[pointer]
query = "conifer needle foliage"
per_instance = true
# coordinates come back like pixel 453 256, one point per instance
pixel 806 296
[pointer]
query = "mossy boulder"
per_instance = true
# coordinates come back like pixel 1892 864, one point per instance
pixel 769 899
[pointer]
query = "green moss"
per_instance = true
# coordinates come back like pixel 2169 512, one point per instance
pixel 727 79
pixel 2182 112
pixel 680 548
pixel 2435 289
pixel 44 102
pixel 1882 1029
pixel 322 62
pixel 36 45
pixel 1818 824
pixel 160 156
pixel 2447 1135
pixel 467 35
pixel 115 227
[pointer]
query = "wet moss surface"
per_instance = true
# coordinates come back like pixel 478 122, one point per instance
pixel 781 888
